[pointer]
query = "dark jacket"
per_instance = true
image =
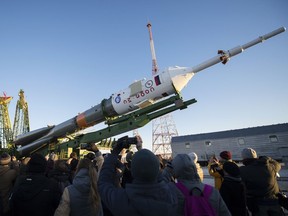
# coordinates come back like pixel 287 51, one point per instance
pixel 233 193
pixel 35 195
pixel 7 179
pixel 136 199
pixel 259 177
pixel 62 178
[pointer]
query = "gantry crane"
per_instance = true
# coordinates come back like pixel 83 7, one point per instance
pixel 21 120
pixel 6 134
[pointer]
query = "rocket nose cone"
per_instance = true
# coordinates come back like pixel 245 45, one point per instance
pixel 180 76
pixel 180 81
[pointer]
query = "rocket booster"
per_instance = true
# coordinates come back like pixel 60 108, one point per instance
pixel 138 95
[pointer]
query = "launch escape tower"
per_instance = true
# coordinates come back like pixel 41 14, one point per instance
pixel 6 134
pixel 163 128
pixel 21 121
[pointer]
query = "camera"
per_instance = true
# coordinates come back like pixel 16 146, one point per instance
pixel 85 146
pixel 125 142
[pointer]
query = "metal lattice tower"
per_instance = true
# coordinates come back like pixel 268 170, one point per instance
pixel 163 130
pixel 21 121
pixel 6 134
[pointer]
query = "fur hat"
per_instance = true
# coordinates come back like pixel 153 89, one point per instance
pixel 37 164
pixel 231 168
pixel 226 155
pixel 193 156
pixel 145 167
pixel 248 153
pixel 5 158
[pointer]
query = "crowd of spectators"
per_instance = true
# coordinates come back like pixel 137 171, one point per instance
pixel 124 182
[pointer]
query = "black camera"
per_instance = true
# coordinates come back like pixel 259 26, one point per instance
pixel 85 146
pixel 125 142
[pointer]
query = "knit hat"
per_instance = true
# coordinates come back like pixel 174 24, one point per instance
pixel 226 155
pixel 145 167
pixel 37 164
pixel 184 167
pixel 5 158
pixel 193 156
pixel 248 153
pixel 231 168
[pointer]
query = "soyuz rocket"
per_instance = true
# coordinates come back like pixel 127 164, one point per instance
pixel 138 95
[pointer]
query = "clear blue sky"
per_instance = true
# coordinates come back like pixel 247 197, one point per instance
pixel 68 55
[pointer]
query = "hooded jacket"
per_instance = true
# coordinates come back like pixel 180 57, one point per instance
pixel 185 171
pixel 35 194
pixel 75 199
pixel 146 199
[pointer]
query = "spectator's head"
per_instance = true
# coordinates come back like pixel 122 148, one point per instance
pixel 37 164
pixel 61 166
pixel 53 156
pixel 145 167
pixel 5 158
pixel 248 153
pixel 184 167
pixel 73 164
pixel 73 155
pixel 232 169
pixel 226 155
pixel 193 156
pixel 91 156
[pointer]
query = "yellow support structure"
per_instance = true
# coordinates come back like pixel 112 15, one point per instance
pixel 6 135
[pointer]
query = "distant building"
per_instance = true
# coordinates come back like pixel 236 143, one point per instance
pixel 271 140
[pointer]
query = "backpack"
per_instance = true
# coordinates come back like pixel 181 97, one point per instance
pixel 197 205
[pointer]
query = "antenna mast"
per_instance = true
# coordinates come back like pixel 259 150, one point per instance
pixel 154 62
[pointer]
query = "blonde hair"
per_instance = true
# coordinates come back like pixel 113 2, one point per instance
pixel 92 172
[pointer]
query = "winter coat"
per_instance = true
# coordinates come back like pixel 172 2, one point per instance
pixel 215 171
pixel 75 199
pixel 154 199
pixel 34 195
pixel 234 195
pixel 7 179
pixel 185 171
pixel 259 177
